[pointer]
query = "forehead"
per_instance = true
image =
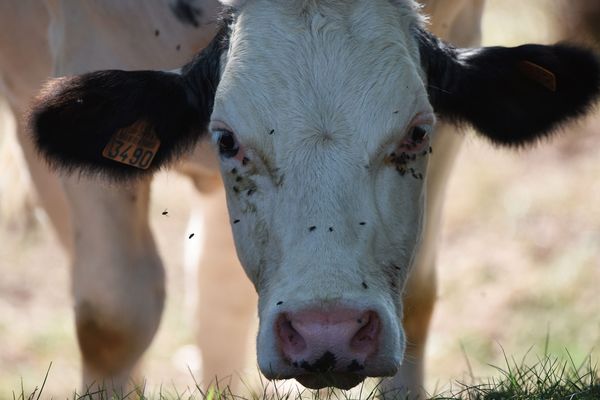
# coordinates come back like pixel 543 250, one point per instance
pixel 321 66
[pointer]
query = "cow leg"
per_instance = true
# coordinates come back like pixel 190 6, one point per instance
pixel 227 301
pixel 420 290
pixel 117 280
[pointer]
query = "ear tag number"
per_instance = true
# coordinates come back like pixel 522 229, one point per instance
pixel 539 74
pixel 135 145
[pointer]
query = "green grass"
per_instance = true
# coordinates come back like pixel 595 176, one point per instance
pixel 549 378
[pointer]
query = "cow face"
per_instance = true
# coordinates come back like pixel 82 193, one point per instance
pixel 321 113
pixel 324 143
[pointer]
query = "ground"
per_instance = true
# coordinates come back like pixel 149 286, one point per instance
pixel 519 261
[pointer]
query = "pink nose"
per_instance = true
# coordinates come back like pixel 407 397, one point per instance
pixel 338 339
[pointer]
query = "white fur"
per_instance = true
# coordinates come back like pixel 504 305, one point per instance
pixel 340 84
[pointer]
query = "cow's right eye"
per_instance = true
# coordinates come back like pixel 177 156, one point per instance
pixel 228 145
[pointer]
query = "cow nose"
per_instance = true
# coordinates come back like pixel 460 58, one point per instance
pixel 338 339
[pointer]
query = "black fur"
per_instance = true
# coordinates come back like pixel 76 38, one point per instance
pixel 74 118
pixel 488 89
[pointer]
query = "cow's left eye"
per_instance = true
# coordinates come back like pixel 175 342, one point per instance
pixel 417 139
pixel 418 134
pixel 228 145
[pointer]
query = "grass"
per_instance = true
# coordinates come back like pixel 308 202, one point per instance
pixel 550 378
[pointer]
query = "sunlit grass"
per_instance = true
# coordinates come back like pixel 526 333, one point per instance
pixel 550 378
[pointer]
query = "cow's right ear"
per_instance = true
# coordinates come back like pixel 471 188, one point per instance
pixel 118 123
pixel 125 124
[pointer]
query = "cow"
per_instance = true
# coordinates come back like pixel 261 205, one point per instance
pixel 305 111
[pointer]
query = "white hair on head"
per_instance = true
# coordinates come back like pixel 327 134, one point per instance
pixel 233 3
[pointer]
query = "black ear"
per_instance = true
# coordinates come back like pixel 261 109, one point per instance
pixel 117 122
pixel 126 124
pixel 513 96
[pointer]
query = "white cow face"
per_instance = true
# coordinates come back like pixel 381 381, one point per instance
pixel 322 123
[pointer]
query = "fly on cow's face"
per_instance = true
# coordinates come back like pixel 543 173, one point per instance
pixel 165 212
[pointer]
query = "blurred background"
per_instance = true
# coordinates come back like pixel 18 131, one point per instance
pixel 519 265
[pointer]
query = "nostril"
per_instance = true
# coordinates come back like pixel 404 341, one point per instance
pixel 365 340
pixel 290 340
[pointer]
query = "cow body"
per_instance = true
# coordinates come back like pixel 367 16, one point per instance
pixel 114 326
pixel 325 262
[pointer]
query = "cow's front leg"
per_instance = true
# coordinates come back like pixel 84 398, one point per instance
pixel 419 302
pixel 117 280
pixel 227 301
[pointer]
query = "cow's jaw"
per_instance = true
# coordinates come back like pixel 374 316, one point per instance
pixel 325 208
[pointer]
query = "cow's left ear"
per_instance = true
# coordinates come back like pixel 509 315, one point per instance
pixel 513 96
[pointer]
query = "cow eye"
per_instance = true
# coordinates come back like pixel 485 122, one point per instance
pixel 228 145
pixel 418 134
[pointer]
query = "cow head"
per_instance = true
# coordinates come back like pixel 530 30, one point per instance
pixel 322 113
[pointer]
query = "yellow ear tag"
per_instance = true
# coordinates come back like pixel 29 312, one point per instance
pixel 135 145
pixel 539 74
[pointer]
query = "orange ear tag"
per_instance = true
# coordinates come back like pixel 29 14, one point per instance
pixel 135 145
pixel 539 74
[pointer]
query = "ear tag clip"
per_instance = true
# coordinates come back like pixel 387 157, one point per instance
pixel 539 74
pixel 135 145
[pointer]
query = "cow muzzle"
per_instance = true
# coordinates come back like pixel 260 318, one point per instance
pixel 337 346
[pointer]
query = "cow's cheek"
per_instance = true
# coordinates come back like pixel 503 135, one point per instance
pixel 252 244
